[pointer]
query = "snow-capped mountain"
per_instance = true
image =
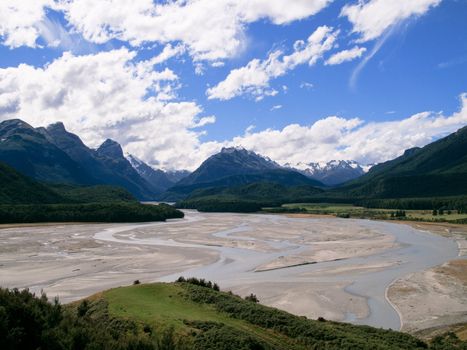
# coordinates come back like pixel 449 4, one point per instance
pixel 229 161
pixel 156 177
pixel 334 172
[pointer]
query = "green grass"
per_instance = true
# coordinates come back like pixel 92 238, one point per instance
pixel 428 215
pixel 163 305
pixel 158 303
pixel 208 317
pixel 356 211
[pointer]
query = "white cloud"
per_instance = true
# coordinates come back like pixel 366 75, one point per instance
pixel 306 85
pixel 341 138
pixel 167 53
pixel 217 64
pixel 108 95
pixel 345 55
pixel 276 107
pixel 19 21
pixel 212 30
pixel 372 18
pixel 361 65
pixel 254 78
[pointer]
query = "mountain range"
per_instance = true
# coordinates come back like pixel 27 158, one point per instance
pixel 236 166
pixel 332 173
pixel 52 155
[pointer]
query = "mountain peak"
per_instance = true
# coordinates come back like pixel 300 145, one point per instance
pixel 14 124
pixel 230 161
pixel 233 149
pixel 410 151
pixel 58 126
pixel 110 148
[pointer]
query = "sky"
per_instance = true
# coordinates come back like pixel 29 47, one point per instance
pixel 298 81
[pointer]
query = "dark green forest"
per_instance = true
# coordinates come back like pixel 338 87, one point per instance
pixel 23 200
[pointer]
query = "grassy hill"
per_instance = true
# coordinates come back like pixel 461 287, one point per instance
pixel 184 316
pixel 212 318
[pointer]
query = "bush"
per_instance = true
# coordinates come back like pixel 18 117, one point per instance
pixel 199 282
pixel 30 322
pixel 310 334
pixel 252 297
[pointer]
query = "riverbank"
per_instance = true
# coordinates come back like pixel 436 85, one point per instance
pixel 354 260
pixel 432 298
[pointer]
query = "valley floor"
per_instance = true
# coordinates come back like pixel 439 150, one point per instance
pixel 338 269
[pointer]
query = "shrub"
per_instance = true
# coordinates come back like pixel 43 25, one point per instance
pixel 252 297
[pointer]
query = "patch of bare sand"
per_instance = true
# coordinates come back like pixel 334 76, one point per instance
pixel 313 300
pixel 351 268
pixel 333 250
pixel 433 298
pixel 66 261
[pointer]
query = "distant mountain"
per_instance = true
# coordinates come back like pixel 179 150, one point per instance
pixel 72 145
pixel 236 167
pixel 54 155
pixel 334 172
pixel 157 178
pixel 438 169
pixel 228 162
pixel 31 152
pixel 177 175
pixel 110 153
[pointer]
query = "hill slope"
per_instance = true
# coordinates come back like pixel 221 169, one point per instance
pixel 31 153
pixel 19 189
pixel 209 319
pixel 55 155
pixel 438 169
pixel 23 200
pixel 248 198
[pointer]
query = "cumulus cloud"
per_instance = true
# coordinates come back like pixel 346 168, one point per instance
pixel 212 30
pixel 254 78
pixel 108 95
pixel 19 21
pixel 372 18
pixel 345 55
pixel 352 139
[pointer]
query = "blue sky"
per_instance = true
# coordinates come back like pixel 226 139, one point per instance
pixel 239 73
